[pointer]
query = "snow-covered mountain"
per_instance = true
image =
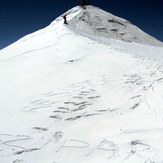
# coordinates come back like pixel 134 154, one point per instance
pixel 87 92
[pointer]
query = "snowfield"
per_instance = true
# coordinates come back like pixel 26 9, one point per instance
pixel 87 92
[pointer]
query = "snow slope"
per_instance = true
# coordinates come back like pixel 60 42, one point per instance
pixel 71 96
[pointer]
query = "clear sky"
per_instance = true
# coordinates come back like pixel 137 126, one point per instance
pixel 21 17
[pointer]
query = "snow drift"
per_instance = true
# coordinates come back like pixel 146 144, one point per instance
pixel 87 92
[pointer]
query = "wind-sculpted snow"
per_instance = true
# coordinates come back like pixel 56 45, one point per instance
pixel 88 122
pixel 70 97
pixel 96 22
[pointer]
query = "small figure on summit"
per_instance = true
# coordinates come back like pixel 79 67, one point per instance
pixel 65 19
pixel 83 3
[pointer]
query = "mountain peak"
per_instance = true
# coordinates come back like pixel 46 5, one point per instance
pixel 92 21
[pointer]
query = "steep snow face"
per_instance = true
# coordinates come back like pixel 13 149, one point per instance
pixel 66 98
pixel 96 22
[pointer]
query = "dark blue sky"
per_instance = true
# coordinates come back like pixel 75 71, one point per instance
pixel 21 17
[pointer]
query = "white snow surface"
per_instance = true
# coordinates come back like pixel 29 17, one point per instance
pixel 75 94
